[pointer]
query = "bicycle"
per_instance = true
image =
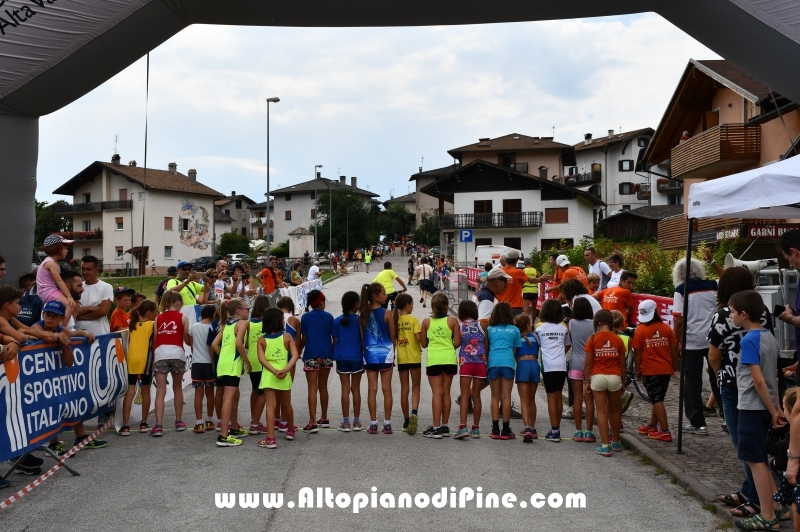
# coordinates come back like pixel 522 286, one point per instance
pixel 631 375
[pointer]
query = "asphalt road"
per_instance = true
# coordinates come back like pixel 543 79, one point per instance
pixel 145 483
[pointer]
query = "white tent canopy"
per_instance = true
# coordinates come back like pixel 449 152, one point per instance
pixel 769 192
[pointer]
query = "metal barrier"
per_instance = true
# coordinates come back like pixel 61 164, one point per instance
pixel 463 287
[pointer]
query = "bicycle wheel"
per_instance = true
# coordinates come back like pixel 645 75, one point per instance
pixel 640 388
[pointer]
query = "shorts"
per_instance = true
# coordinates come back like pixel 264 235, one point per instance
pixel 228 380
pixel 255 382
pixel 378 367
pixel 476 370
pixel 576 374
pixel 410 365
pixel 147 380
pixel 171 365
pixel 528 371
pixel 656 386
pixel 441 369
pixel 753 428
pixel 516 311
pixel 606 383
pixel 500 371
pixel 203 374
pixel 316 364
pixel 554 381
pixel 530 297
pixel 349 366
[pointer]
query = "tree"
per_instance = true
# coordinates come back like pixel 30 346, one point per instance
pixel 230 243
pixel 356 220
pixel 396 221
pixel 48 222
pixel 428 231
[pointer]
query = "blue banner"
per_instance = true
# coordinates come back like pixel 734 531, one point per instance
pixel 40 397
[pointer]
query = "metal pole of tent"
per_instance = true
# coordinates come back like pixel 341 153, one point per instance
pixel 684 314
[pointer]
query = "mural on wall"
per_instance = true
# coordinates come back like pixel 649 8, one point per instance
pixel 194 225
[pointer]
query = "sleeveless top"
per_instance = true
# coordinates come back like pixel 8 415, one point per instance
pixel 252 344
pixel 473 346
pixel 45 284
pixel 139 348
pixel 276 354
pixel 378 348
pixel 289 329
pixel 168 342
pixel 440 343
pixel 230 363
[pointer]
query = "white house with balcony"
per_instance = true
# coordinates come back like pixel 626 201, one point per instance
pixel 237 206
pixel 504 206
pixel 113 203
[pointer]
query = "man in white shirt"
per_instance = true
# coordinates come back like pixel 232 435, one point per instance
pixel 92 315
pixel 313 272
pixel 598 266
pixel 615 263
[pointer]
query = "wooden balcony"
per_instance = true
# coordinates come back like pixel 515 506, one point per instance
pixel 643 191
pixel 493 220
pixel 95 206
pixel 577 180
pixel 97 234
pixel 669 185
pixel 716 152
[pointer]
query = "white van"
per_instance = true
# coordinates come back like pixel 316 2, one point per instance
pixel 492 254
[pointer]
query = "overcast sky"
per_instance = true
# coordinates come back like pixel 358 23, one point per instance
pixel 365 102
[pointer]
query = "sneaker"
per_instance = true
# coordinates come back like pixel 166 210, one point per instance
pixel 310 428
pixel 534 434
pixel 603 450
pixel 180 426
pixel 257 429
pixel 569 413
pixel 527 436
pixel 495 434
pixel 29 471
pixel 94 444
pixel 59 448
pixel 219 426
pixel 709 411
pixel 324 423
pixel 356 426
pixel 387 428
pixel 32 462
pixel 589 437
pixel 445 431
pixel 4 483
pixel 553 435
pixel 405 426
pixel 209 426
pixel 578 436
pixel 282 426
pixel 156 431
pixel 690 429
pixel 507 434
pixel 144 427
pixel 461 433
pixel 344 426
pixel 268 443
pixel 373 428
pixel 421 300
pixel 616 446
pixel 289 434
pixel 660 436
pixel 125 431
pixel 475 432
pixel 515 414
pixel 621 427
pixel 230 441
pixel 241 432
pixel 412 425
pixel 627 399
pixel 199 428
pixel 644 430
pixel 433 433
pixel 725 428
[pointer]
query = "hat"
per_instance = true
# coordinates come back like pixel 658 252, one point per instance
pixel 562 261
pixel 497 273
pixel 647 310
pixel 56 307
pixel 56 239
pixel 122 290
pixel 183 263
pixel 172 270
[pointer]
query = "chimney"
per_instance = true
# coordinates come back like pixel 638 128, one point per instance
pixel 319 175
pixel 420 169
pixel 610 134
pixel 233 192
pixel 587 139
pixel 353 181
pixel 132 163
pixel 485 141
pixel 192 176
pixel 115 159
pixel 343 180
pixel 543 172
pixel 173 168
pixel 536 140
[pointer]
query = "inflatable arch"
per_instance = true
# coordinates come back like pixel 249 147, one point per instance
pixel 54 51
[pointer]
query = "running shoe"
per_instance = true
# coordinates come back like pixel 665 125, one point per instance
pixel 289 434
pixel 700 431
pixel 709 411
pixel 569 413
pixel 311 428
pixel 373 428
pixel 644 430
pixel 603 450
pixel 507 434
pixel 445 431
pixel 475 432
pixel 413 422
pixel 344 426
pixel 125 431
pixel 553 435
pixel 144 427
pixel 578 436
pixel 199 428
pixel 268 443
pixel 589 437
pixel 616 446
pixel 209 426
pixel 660 436
pixel 461 433
pixel 257 429
pixel 30 471
pixel 94 444
pixel 156 431
pixel 527 435
pixel 387 428
pixel 421 300
pixel 180 426
pixel 356 426
pixel 59 448
pixel 627 399
pixel 31 462
pixel 229 441
pixel 324 423
pixel 534 434
pixel 433 433
pixel 405 426
pixel 495 434
pixel 241 432
pixel 515 414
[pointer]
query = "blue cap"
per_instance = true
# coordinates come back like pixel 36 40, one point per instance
pixel 182 263
pixel 56 307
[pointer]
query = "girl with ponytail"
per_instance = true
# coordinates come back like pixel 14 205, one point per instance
pixel 349 358
pixel 140 363
pixel 379 338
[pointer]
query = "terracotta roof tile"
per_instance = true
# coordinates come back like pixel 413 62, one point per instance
pixel 513 141
pixel 736 76
pixel 603 140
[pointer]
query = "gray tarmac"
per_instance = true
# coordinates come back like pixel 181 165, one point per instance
pixel 146 483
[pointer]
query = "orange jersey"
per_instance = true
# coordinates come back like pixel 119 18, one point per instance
pixel 608 351
pixel 575 272
pixel 656 341
pixel 558 278
pixel 513 292
pixel 616 298
pixel 119 320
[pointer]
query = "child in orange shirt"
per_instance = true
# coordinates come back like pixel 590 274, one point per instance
pixel 121 317
pixel 594 283
pixel 619 297
pixel 655 352
pixel 603 371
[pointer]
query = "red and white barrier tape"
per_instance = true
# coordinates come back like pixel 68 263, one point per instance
pixel 27 489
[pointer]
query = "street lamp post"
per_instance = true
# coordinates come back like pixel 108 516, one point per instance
pixel 315 208
pixel 269 101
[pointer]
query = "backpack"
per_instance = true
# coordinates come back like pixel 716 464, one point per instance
pixel 604 279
